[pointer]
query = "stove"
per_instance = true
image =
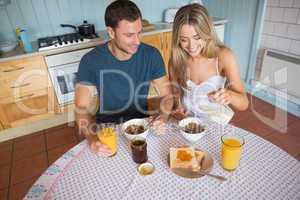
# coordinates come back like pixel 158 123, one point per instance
pixel 54 42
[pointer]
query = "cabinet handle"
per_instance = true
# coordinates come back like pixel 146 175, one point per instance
pixel 19 86
pixel 25 96
pixel 11 70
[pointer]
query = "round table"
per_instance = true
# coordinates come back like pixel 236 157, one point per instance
pixel 265 172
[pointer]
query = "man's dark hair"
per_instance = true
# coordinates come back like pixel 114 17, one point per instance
pixel 121 10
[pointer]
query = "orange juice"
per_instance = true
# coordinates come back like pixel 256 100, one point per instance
pixel 108 137
pixel 231 153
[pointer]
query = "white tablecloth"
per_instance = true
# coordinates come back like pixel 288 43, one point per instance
pixel 265 172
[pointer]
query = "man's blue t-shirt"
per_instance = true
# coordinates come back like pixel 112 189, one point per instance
pixel 122 86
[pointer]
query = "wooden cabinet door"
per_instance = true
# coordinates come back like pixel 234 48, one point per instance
pixel 1 126
pixel 26 94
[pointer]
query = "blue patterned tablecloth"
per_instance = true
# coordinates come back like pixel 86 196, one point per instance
pixel 265 172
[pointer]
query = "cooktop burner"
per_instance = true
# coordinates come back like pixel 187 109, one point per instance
pixel 59 41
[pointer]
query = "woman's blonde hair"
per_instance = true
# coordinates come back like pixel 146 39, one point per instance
pixel 197 16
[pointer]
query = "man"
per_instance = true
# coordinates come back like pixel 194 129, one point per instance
pixel 120 70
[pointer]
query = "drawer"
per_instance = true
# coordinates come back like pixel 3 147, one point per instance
pixel 24 96
pixel 17 67
pixel 26 82
pixel 31 107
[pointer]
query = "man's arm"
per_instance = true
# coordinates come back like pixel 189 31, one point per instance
pixel 84 108
pixel 164 88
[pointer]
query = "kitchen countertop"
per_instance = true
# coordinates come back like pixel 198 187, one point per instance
pixel 19 53
pixel 68 117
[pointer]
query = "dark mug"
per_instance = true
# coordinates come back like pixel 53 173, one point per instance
pixel 139 150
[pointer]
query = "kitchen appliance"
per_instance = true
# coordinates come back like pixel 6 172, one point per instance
pixel 169 15
pixel 84 29
pixel 197 1
pixel 69 39
pixel 83 33
pixel 63 70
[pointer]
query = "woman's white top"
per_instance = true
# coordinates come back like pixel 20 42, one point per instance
pixel 195 98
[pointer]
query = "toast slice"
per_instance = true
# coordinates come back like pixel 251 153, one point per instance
pixel 185 158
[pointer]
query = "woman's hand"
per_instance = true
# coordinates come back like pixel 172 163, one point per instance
pixel 222 96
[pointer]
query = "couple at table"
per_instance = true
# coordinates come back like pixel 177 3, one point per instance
pixel 121 70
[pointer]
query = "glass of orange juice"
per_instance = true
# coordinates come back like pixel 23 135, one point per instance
pixel 232 144
pixel 108 136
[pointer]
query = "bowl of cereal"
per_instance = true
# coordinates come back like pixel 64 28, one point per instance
pixel 192 129
pixel 135 128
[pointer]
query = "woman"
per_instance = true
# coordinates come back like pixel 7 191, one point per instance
pixel 200 64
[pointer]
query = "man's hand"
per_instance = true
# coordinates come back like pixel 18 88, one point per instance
pixel 164 89
pixel 98 148
pixel 179 113
pixel 159 124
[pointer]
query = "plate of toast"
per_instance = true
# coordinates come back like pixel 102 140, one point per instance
pixel 189 163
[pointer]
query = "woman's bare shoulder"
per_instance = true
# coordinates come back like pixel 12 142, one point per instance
pixel 226 57
pixel 226 53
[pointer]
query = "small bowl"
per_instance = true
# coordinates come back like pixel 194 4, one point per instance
pixel 146 168
pixel 142 122
pixel 218 113
pixel 7 46
pixel 192 137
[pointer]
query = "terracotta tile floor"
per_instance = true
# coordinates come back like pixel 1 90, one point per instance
pixel 24 159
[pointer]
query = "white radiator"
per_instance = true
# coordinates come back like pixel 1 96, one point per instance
pixel 282 72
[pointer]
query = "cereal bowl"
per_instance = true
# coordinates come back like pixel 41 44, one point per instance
pixel 192 129
pixel 135 128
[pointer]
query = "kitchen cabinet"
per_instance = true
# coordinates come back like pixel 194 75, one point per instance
pixel 162 41
pixel 26 93
pixel 154 40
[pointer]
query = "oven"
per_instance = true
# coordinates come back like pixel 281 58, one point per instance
pixel 63 70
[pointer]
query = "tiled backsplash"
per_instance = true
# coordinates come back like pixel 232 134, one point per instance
pixel 281 28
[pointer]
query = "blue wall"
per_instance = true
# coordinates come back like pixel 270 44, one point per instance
pixel 239 32
pixel 43 17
